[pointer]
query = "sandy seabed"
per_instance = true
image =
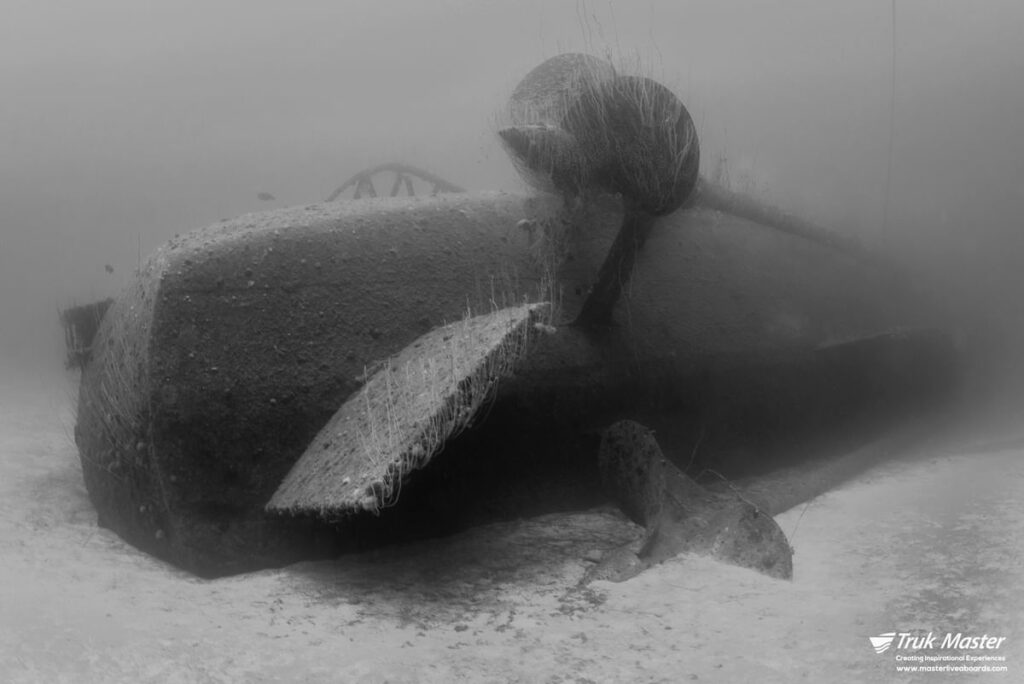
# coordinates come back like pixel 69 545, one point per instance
pixel 931 542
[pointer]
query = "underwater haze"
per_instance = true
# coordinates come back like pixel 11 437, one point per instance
pixel 123 123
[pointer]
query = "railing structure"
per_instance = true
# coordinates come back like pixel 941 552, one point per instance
pixel 404 176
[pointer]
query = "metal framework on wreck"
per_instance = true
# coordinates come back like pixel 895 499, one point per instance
pixel 404 176
pixel 80 326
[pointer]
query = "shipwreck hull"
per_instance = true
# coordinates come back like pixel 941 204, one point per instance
pixel 236 343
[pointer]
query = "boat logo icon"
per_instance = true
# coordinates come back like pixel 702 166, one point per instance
pixel 882 642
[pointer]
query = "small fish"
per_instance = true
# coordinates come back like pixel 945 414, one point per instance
pixel 108 268
pixel 265 196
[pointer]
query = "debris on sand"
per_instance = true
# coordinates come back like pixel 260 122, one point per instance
pixel 680 516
